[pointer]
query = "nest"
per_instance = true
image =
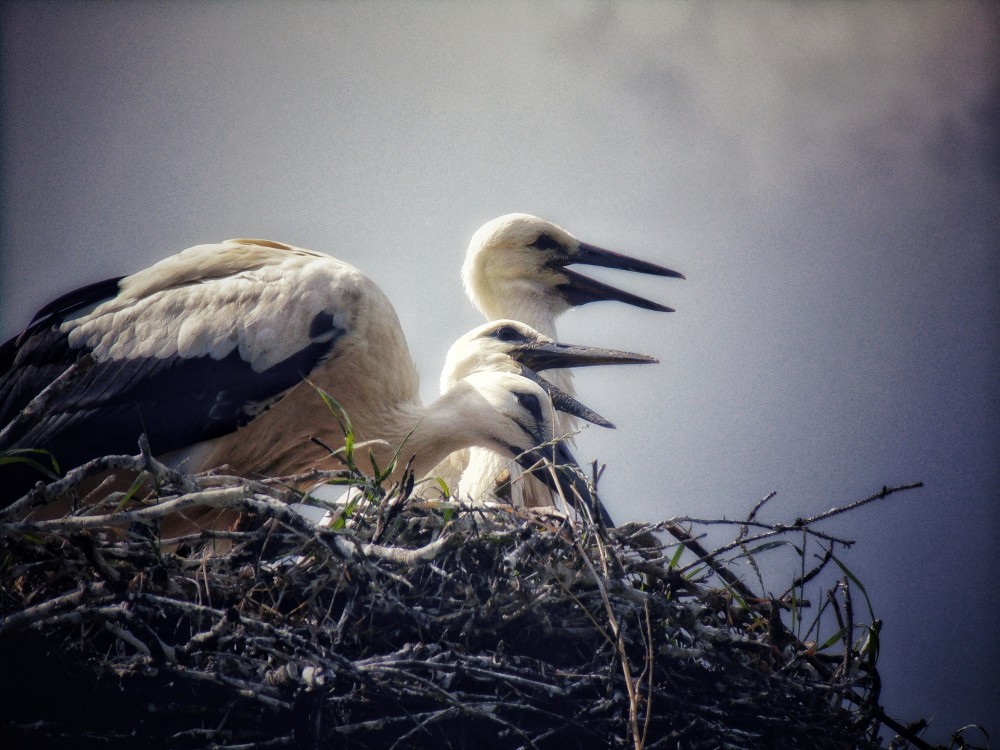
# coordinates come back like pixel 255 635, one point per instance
pixel 414 623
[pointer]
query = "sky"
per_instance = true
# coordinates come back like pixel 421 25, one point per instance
pixel 826 175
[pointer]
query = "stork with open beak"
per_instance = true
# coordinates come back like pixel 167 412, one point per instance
pixel 517 267
pixel 216 354
pixel 513 346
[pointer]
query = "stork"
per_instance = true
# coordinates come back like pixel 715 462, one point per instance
pixel 512 346
pixel 516 267
pixel 216 354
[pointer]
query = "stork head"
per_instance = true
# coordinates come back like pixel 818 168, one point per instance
pixel 515 416
pixel 512 346
pixel 516 266
pixel 508 345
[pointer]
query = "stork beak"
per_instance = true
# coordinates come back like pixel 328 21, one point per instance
pixel 564 402
pixel 555 355
pixel 579 289
pixel 564 476
pixel 591 255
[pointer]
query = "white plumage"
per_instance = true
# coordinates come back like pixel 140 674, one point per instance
pixel 515 268
pixel 512 346
pixel 216 354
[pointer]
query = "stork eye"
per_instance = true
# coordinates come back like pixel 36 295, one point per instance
pixel 508 333
pixel 530 402
pixel 546 242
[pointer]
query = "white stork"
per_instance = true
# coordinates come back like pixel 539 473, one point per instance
pixel 513 346
pixel 216 353
pixel 516 267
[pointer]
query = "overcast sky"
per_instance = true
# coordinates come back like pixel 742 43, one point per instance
pixel 827 175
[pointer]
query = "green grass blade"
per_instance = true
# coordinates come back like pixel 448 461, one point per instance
pixel 861 588
pixel 23 456
pixel 676 559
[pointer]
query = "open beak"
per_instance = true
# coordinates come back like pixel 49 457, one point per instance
pixel 564 402
pixel 555 355
pixel 563 476
pixel 579 289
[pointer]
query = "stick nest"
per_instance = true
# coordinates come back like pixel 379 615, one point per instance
pixel 411 623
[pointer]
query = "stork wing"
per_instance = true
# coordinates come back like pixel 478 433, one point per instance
pixel 38 355
pixel 181 362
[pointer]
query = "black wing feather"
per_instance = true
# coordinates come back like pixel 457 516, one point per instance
pixel 40 353
pixel 104 408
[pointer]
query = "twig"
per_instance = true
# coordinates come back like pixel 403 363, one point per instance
pixel 800 523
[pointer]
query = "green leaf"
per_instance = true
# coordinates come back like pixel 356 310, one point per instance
pixel 349 447
pixel 849 574
pixel 444 486
pixel 764 547
pixel 139 481
pixel 375 470
pixel 835 638
pixel 872 646
pixel 22 456
pixel 737 598
pixel 676 559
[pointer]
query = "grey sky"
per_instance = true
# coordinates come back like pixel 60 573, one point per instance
pixel 827 175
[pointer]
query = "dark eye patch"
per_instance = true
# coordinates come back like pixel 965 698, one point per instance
pixel 508 333
pixel 530 402
pixel 546 242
